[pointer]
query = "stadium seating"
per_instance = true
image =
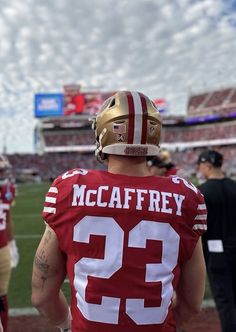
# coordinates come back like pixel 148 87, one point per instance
pixel 209 102
pixel 71 132
pixel 50 165
pixel 201 132
pixel 65 139
pixel 217 98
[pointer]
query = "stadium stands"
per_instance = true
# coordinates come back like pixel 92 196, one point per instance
pixel 62 138
pixel 217 98
pixel 233 97
pixel 68 142
pixel 220 130
pixel 50 165
pixel 211 102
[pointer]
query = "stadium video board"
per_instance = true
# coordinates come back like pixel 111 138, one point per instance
pixel 77 102
pixel 48 104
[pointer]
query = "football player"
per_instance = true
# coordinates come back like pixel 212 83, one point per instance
pixel 128 242
pixel 9 255
pixel 162 164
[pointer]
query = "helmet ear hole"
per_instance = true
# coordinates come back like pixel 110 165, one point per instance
pixel 112 103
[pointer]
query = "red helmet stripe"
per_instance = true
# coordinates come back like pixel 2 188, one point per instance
pixel 145 118
pixel 131 118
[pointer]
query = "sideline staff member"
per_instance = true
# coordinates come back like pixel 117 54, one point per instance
pixel 219 242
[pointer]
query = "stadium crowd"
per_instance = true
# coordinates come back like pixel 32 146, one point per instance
pixel 220 130
pixel 208 102
pixel 74 138
pixel 50 165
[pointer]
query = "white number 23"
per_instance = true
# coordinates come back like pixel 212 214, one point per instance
pixel 108 310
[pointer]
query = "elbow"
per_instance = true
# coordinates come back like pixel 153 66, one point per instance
pixel 35 301
pixel 194 309
pixel 38 301
pixel 188 309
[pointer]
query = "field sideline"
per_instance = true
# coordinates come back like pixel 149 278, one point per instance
pixel 28 230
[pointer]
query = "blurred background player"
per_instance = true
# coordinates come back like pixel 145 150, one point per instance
pixel 162 165
pixel 219 242
pixel 127 240
pixel 9 255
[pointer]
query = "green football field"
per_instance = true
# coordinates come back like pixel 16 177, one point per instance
pixel 29 227
pixel 28 230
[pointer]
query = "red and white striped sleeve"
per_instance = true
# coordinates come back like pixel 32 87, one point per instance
pixel 50 204
pixel 200 220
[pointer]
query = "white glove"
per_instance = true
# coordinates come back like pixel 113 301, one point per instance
pixel 15 257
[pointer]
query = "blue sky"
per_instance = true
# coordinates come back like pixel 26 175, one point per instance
pixel 164 48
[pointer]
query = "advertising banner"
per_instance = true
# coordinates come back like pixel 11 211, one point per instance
pixel 48 104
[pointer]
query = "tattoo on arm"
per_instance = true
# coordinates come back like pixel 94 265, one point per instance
pixel 42 274
pixel 41 262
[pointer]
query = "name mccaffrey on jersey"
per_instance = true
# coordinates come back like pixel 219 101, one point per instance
pixel 158 201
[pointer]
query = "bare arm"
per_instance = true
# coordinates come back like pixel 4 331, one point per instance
pixel 191 288
pixel 49 271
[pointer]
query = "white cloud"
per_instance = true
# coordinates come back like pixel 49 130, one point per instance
pixel 163 48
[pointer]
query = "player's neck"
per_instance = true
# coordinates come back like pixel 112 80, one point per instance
pixel 132 166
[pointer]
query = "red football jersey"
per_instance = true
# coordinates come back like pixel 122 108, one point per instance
pixel 7 195
pixel 125 239
pixel 171 171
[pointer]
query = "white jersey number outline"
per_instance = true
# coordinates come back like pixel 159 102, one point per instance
pixel 108 310
pixel 176 179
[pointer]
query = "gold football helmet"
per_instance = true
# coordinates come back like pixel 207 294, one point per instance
pixel 128 124
pixel 5 167
pixel 165 156
pixel 4 163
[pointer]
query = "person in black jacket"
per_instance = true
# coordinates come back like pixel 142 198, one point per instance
pixel 219 242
